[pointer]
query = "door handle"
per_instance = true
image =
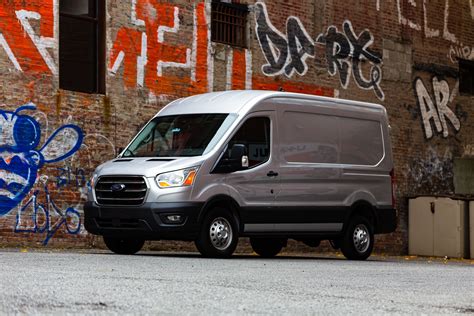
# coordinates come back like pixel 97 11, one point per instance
pixel 272 174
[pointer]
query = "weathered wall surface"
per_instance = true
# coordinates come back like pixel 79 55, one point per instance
pixel 400 53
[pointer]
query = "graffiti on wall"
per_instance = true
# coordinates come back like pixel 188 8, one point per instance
pixel 460 52
pixel 287 54
pixel 434 107
pixel 430 12
pixel 345 51
pixel 24 187
pixel 21 156
pixel 27 32
pixel 431 172
pixel 46 218
pixel 147 55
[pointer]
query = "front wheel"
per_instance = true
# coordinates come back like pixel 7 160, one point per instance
pixel 358 240
pixel 123 246
pixel 219 234
pixel 267 247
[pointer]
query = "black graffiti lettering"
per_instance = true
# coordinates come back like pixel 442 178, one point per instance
pixel 287 53
pixel 300 47
pixel 338 50
pixel 274 45
pixel 361 51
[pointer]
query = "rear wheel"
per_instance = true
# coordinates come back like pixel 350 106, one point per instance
pixel 124 246
pixel 219 234
pixel 267 247
pixel 358 240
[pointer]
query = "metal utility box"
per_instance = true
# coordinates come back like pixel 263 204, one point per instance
pixel 436 227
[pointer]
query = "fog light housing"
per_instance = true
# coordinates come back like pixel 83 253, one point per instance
pixel 175 219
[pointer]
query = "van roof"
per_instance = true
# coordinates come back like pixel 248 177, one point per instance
pixel 241 101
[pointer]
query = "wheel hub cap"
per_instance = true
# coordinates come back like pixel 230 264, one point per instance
pixel 361 238
pixel 220 233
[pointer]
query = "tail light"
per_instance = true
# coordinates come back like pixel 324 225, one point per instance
pixel 394 187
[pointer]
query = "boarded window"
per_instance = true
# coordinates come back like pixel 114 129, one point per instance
pixel 82 45
pixel 466 77
pixel 229 23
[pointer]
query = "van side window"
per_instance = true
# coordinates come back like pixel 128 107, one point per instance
pixel 319 138
pixel 255 135
pixel 310 138
pixel 361 141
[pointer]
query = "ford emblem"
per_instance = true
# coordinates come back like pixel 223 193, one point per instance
pixel 117 187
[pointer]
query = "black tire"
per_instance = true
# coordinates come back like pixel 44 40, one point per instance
pixel 123 246
pixel 267 247
pixel 352 243
pixel 219 234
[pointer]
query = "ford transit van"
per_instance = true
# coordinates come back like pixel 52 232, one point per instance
pixel 266 165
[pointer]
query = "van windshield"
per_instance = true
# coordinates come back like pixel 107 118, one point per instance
pixel 178 135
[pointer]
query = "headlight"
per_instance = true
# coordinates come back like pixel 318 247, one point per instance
pixel 179 178
pixel 93 180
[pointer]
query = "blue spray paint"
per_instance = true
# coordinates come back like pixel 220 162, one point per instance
pixel 69 218
pixel 20 158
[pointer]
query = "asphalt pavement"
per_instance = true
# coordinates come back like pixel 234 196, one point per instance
pixel 170 283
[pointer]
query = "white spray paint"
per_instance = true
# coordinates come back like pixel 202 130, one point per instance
pixel 429 32
pixel 462 52
pixel 133 15
pixel 161 38
pixel 472 8
pixel 41 43
pixel 446 34
pixel 437 110
pixel 9 52
pixel 403 20
pixel 142 60
pixel 229 69
pixel 248 69
pixel 210 59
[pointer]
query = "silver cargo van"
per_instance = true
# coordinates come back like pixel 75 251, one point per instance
pixel 266 165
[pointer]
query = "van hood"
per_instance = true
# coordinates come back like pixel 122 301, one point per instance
pixel 146 166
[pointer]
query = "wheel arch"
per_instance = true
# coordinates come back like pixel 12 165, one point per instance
pixel 362 208
pixel 223 201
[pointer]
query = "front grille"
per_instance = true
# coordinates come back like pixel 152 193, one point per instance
pixel 133 193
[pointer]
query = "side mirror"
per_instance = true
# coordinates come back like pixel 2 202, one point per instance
pixel 237 160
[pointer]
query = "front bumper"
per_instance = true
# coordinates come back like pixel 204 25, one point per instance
pixel 147 221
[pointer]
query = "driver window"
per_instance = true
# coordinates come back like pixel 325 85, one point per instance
pixel 255 135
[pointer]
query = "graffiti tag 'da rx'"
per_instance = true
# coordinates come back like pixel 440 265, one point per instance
pixel 287 54
pixel 436 110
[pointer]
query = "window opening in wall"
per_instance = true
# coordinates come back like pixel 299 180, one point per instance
pixel 82 45
pixel 466 77
pixel 229 23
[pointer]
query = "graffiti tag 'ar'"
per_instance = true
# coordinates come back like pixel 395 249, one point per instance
pixel 437 110
pixel 287 54
pixel 20 157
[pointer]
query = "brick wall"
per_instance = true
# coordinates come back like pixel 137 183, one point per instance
pixel 402 54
